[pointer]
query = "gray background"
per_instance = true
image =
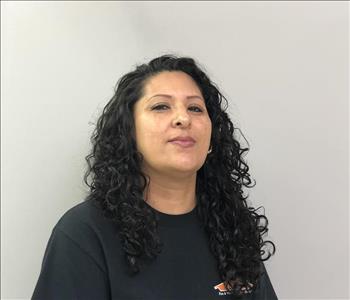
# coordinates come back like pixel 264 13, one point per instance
pixel 282 65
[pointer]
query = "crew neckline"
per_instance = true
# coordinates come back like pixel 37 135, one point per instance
pixel 179 220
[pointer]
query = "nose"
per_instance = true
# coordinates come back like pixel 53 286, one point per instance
pixel 181 119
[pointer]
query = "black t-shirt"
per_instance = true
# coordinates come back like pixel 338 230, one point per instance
pixel 84 260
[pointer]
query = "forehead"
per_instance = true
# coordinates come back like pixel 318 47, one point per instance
pixel 174 82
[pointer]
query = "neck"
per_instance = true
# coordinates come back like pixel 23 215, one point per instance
pixel 171 194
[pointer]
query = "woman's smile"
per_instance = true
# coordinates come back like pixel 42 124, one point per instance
pixel 183 141
pixel 183 144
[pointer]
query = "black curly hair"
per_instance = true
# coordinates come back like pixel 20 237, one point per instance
pixel 117 183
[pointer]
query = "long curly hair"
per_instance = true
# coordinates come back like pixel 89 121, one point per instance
pixel 117 183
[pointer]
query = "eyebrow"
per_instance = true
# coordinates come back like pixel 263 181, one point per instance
pixel 169 96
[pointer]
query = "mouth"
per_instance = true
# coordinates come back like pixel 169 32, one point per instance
pixel 184 142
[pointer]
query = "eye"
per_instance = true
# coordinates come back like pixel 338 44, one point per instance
pixel 160 107
pixel 196 109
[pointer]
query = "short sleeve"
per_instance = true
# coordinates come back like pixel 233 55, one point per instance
pixel 68 272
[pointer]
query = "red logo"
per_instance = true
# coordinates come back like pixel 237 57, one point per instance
pixel 222 290
pixel 220 287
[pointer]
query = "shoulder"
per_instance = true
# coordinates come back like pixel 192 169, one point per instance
pixel 85 216
pixel 265 288
pixel 85 226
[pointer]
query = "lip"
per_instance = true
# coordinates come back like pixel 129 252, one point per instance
pixel 183 141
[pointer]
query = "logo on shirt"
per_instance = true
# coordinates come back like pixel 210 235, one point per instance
pixel 222 290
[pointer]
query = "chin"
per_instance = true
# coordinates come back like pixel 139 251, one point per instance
pixel 186 167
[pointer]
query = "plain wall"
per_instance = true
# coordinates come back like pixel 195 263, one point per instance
pixel 283 66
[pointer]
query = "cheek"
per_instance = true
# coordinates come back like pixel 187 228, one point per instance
pixel 148 134
pixel 206 130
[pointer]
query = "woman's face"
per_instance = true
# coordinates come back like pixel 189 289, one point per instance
pixel 172 107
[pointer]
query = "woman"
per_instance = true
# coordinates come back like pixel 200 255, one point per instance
pixel 166 217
